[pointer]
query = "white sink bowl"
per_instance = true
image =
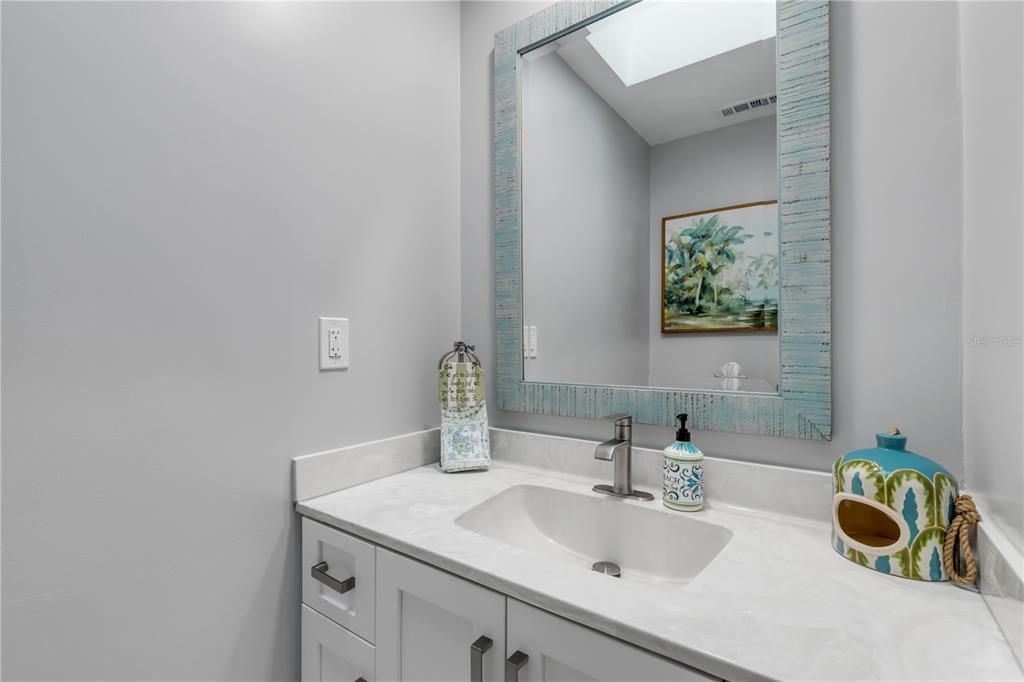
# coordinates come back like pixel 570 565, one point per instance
pixel 648 545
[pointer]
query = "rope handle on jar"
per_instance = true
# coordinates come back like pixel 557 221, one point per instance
pixel 957 543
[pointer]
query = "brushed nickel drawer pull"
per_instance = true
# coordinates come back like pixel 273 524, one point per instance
pixel 476 658
pixel 319 573
pixel 513 664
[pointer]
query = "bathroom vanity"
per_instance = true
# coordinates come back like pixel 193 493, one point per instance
pixel 487 575
pixel 409 620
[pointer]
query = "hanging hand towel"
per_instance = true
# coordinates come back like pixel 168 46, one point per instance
pixel 465 441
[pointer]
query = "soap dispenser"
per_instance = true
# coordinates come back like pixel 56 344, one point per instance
pixel 683 488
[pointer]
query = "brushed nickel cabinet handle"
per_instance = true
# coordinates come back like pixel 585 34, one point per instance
pixel 319 573
pixel 513 664
pixel 476 658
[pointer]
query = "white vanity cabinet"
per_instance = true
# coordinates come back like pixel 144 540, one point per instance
pixel 422 623
pixel 434 626
pixel 338 592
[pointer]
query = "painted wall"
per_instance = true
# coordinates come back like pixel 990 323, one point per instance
pixel 723 167
pixel 896 193
pixel 186 187
pixel 586 190
pixel 992 34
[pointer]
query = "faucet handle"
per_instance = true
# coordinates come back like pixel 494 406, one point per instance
pixel 623 426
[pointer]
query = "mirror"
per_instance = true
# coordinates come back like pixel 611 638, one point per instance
pixel 662 214
pixel 649 200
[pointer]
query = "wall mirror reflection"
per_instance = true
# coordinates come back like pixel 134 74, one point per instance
pixel 650 239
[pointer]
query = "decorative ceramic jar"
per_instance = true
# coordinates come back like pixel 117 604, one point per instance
pixel 891 509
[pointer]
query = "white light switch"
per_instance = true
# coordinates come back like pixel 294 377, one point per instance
pixel 333 343
pixel 529 341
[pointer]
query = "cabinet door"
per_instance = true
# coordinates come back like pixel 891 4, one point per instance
pixel 330 653
pixel 560 650
pixel 428 622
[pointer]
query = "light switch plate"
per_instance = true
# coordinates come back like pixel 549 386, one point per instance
pixel 334 343
pixel 530 342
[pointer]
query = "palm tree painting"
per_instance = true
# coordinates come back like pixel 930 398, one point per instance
pixel 720 270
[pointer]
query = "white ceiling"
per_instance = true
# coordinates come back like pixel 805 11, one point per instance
pixel 683 102
pixel 657 36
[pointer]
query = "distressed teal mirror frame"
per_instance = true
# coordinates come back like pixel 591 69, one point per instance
pixel 803 407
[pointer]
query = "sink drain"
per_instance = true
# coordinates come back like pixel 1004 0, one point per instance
pixel 608 568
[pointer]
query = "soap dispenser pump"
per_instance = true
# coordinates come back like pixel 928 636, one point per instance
pixel 683 487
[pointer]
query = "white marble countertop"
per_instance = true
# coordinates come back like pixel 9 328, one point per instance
pixel 776 603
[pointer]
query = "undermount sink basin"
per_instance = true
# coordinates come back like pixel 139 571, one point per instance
pixel 647 545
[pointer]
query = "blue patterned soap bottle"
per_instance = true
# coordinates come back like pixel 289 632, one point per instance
pixel 683 488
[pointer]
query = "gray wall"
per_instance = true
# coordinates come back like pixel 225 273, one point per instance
pixel 722 167
pixel 186 186
pixel 896 194
pixel 993 96
pixel 586 189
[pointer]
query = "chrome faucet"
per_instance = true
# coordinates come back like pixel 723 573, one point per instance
pixel 619 451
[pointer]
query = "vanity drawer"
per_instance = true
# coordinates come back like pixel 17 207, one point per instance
pixel 330 653
pixel 338 577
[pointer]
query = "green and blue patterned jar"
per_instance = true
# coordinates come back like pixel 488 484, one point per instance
pixel 891 508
